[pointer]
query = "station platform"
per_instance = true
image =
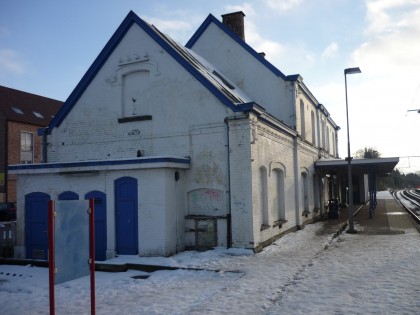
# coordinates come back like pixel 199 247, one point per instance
pixel 388 218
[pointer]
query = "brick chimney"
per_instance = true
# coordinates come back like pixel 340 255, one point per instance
pixel 235 22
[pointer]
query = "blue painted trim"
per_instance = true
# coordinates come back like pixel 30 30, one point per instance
pixel 114 41
pixel 211 19
pixel 97 163
pixel 246 107
pixel 92 71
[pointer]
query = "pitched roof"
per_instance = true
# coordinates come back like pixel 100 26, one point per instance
pixel 27 108
pixel 293 78
pixel 212 79
pixel 211 19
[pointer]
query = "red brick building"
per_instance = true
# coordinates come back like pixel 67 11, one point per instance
pixel 21 115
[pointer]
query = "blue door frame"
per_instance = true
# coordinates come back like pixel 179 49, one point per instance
pixel 126 216
pixel 36 225
pixel 100 223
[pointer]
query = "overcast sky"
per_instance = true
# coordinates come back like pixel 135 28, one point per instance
pixel 46 46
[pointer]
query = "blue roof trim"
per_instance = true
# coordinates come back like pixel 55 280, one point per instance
pixel 116 38
pixel 247 107
pixel 211 19
pixel 294 77
pixel 98 163
pixel 92 71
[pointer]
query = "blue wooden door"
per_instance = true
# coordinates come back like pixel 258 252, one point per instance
pixel 100 223
pixel 126 222
pixel 36 225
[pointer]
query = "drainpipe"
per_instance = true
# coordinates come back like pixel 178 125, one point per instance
pixel 229 215
pixel 296 174
pixel 6 160
pixel 295 157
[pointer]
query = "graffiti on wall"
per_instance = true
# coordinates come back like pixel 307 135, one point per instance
pixel 206 201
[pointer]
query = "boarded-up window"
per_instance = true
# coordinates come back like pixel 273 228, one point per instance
pixel 136 100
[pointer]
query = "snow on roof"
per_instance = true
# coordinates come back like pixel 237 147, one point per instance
pixel 213 75
pixel 211 78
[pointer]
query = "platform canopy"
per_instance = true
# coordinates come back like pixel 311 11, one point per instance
pixel 381 166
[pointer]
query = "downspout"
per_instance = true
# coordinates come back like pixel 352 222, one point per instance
pixel 229 215
pixel 318 131
pixel 6 160
pixel 296 174
pixel 296 159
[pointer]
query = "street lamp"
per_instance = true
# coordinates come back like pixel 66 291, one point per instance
pixel 414 110
pixel 349 158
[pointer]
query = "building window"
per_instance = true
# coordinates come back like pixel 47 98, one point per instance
pixel 302 120
pixel 263 198
pixel 328 140
pixel 278 198
pixel 305 193
pixel 136 93
pixel 26 148
pixel 313 127
pixel 17 110
pixel 39 115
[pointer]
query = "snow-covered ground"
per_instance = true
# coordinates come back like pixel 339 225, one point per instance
pixel 306 272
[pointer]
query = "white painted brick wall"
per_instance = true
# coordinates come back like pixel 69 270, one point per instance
pixel 187 120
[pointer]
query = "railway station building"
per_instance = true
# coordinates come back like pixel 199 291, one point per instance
pixel 193 146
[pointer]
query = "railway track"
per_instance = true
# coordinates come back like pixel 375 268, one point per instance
pixel 410 200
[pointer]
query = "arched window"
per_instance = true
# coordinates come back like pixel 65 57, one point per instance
pixel 327 147
pixel 305 192
pixel 279 207
pixel 313 127
pixel 302 120
pixel 263 197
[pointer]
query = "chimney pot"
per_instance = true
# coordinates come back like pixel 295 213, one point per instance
pixel 235 22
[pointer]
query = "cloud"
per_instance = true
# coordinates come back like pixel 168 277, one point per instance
pixel 390 68
pixel 171 25
pixel 11 63
pixel 176 28
pixel 247 8
pixel 282 5
pixel 330 51
pixel 384 15
pixel 392 45
pixel 271 48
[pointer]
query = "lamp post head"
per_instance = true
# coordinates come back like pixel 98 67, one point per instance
pixel 352 70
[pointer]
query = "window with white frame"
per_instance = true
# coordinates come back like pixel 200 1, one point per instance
pixel 26 148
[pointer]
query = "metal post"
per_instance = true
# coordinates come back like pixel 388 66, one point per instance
pixel 92 255
pixel 51 261
pixel 349 158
